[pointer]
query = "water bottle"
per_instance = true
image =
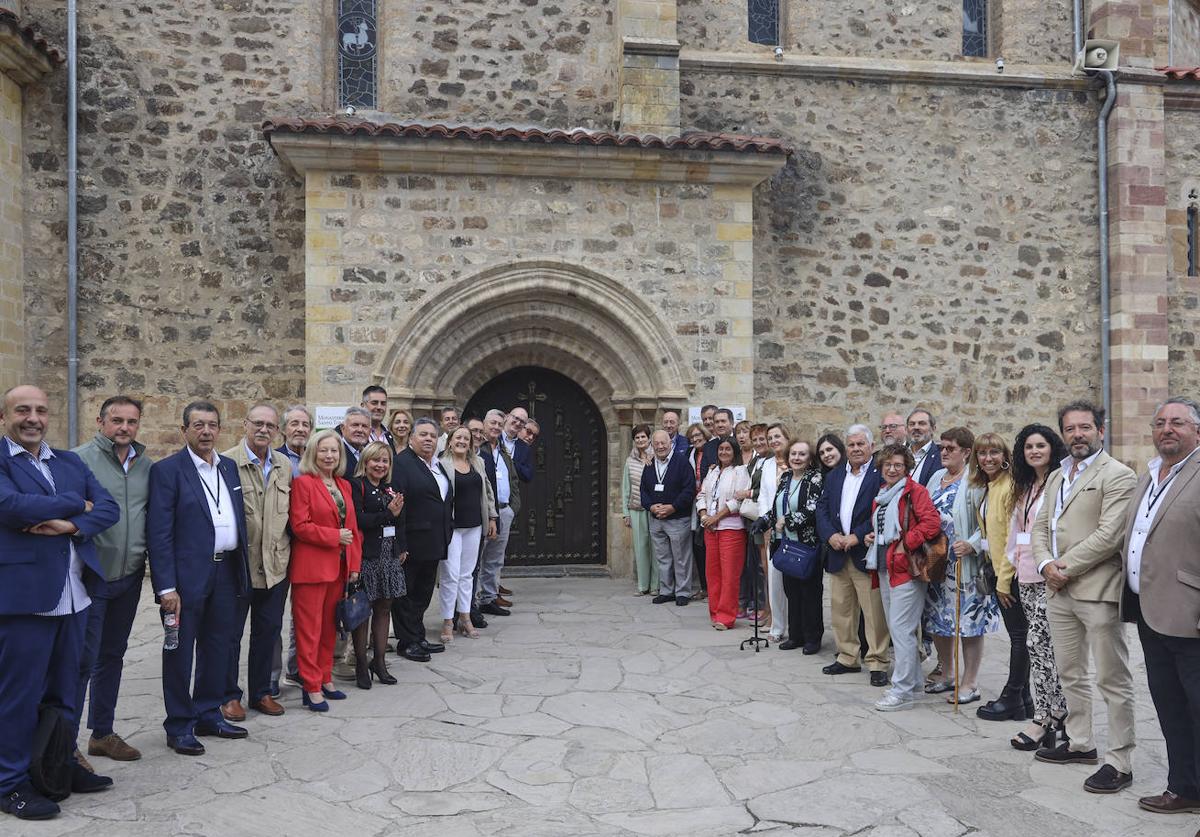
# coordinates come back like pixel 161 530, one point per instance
pixel 170 631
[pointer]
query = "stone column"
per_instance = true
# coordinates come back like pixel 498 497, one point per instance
pixel 1138 250
pixel 12 305
pixel 649 85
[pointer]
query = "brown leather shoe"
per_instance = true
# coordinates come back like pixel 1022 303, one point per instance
pixel 268 706
pixel 233 711
pixel 114 747
pixel 503 602
pixel 1169 803
pixel 504 591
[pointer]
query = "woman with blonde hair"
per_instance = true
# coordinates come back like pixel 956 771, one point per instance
pixel 400 424
pixel 326 552
pixel 378 509
pixel 474 514
pixel 697 436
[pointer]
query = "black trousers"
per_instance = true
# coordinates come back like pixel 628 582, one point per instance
pixel 265 609
pixel 806 618
pixel 698 551
pixel 1018 649
pixel 408 611
pixel 1173 669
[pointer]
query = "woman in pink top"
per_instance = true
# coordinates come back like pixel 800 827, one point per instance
pixel 724 533
pixel 1036 454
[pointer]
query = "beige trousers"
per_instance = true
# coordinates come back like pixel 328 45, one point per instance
pixel 850 591
pixel 1077 629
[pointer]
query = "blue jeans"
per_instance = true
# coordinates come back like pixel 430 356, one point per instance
pixel 110 620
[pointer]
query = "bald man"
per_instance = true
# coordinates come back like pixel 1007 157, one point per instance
pixel 51 506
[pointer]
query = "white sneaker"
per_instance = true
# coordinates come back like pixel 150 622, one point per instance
pixel 891 702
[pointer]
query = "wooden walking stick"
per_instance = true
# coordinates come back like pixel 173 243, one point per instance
pixel 957 618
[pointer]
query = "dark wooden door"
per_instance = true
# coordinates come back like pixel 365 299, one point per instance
pixel 562 510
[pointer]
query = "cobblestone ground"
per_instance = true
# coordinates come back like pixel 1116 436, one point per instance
pixel 590 711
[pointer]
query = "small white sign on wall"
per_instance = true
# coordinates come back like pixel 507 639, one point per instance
pixel 328 416
pixel 739 414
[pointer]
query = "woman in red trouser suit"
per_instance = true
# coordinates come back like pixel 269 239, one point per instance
pixel 724 534
pixel 326 549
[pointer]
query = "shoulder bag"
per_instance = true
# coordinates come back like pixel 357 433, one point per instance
pixel 791 557
pixel 353 609
pixel 928 562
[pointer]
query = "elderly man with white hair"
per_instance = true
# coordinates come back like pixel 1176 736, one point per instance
pixel 843 522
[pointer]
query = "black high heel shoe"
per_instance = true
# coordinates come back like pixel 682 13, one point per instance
pixel 378 669
pixel 1048 738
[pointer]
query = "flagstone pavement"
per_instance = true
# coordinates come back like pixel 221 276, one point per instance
pixel 593 712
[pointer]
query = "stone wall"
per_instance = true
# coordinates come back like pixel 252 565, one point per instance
pixel 12 306
pixel 1185 34
pixel 547 62
pixel 925 245
pixel 191 234
pixel 1033 31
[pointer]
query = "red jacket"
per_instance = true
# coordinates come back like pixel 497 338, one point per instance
pixel 925 524
pixel 316 553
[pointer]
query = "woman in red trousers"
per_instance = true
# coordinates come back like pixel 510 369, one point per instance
pixel 724 534
pixel 326 550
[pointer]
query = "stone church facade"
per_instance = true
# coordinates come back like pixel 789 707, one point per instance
pixel 631 193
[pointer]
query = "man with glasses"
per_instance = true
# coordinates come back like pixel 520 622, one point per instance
pixel 1162 595
pixel 1076 544
pixel 266 477
pixel 891 430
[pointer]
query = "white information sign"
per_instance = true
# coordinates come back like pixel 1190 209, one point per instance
pixel 328 416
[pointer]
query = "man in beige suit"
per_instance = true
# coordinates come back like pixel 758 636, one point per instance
pixel 1076 543
pixel 1162 594
pixel 266 476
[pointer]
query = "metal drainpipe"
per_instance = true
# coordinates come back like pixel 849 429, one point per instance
pixel 1110 99
pixel 1078 23
pixel 72 233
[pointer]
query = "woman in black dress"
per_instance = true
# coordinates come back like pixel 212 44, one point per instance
pixel 378 510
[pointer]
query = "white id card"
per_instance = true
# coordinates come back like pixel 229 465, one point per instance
pixel 1023 539
pixel 389 531
pixel 983 545
pixel 658 486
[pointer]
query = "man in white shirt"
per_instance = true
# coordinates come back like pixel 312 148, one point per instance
pixel 927 455
pixel 196 531
pixel 1076 544
pixel 508 504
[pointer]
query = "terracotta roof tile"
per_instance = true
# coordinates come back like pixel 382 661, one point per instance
pixel 1180 73
pixel 31 36
pixel 688 141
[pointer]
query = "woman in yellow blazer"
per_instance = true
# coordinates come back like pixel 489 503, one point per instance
pixel 992 471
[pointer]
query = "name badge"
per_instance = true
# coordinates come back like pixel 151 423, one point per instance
pixel 658 486
pixel 1023 539
pixel 389 531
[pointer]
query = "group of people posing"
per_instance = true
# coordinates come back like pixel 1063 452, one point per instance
pixel 1049 536
pixel 397 509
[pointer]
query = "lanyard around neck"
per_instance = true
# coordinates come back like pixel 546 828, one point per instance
pixel 216 497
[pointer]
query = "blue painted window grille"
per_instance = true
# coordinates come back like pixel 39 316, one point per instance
pixel 358 40
pixel 1193 240
pixel 975 28
pixel 763 21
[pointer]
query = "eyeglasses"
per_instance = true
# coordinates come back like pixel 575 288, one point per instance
pixel 262 425
pixel 1174 424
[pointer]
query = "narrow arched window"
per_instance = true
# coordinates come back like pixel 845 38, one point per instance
pixel 357 54
pixel 975 28
pixel 763 21
pixel 1193 240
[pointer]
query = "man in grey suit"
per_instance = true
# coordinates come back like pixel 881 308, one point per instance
pixel 1162 594
pixel 1077 543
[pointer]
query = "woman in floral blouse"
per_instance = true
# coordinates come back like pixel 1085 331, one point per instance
pixel 793 516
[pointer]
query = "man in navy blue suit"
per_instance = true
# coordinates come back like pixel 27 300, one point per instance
pixel 196 530
pixel 670 423
pixel 927 454
pixel 51 506
pixel 843 522
pixel 668 492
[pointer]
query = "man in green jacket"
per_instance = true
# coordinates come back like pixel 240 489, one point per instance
pixel 121 465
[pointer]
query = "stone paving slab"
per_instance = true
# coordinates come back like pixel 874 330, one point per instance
pixel 594 712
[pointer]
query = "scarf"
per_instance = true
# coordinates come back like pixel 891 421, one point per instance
pixel 890 528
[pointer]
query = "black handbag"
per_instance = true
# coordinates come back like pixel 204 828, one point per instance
pixel 353 609
pixel 52 754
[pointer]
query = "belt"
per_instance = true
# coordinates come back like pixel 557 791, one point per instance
pixel 503 505
pixel 221 556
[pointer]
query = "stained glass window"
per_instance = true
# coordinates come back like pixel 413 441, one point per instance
pixel 764 21
pixel 357 58
pixel 975 34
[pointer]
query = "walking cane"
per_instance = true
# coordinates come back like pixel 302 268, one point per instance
pixel 957 628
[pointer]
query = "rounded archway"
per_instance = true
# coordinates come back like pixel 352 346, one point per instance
pixel 562 514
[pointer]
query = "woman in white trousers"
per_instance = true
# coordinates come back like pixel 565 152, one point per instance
pixel 474 514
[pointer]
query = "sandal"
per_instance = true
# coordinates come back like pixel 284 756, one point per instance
pixel 717 626
pixel 937 687
pixel 467 629
pixel 447 633
pixel 1022 741
pixel 964 696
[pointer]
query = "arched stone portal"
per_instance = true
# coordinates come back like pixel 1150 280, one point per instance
pixel 553 315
